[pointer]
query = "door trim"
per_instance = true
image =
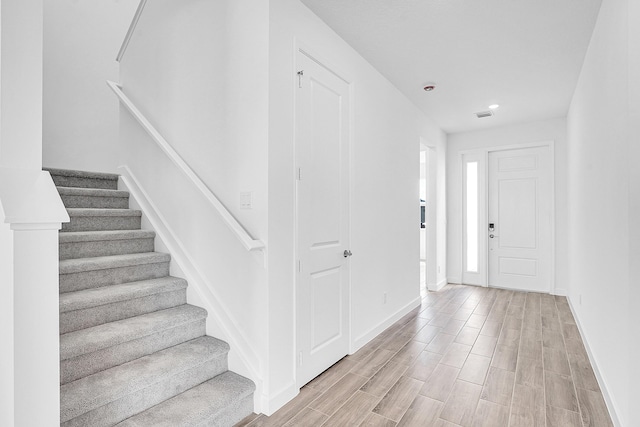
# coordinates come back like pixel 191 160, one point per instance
pixel 431 235
pixel 311 53
pixel 483 252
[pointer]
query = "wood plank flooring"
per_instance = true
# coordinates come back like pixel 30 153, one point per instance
pixel 468 356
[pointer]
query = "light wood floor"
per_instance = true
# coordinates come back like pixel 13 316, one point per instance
pixel 468 356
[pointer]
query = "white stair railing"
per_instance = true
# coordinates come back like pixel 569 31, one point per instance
pixel 131 30
pixel 245 238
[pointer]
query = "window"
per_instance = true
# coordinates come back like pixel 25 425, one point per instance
pixel 471 215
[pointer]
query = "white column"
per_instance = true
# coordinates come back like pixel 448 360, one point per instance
pixel 6 324
pixel 36 325
pixel 31 214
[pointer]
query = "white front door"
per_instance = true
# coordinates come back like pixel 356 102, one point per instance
pixel 322 156
pixel 520 202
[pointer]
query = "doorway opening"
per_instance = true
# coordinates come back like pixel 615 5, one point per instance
pixel 428 196
pixel 423 229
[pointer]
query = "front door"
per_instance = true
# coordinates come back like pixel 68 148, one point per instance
pixel 519 223
pixel 322 157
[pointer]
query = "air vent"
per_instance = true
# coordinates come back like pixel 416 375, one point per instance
pixel 483 114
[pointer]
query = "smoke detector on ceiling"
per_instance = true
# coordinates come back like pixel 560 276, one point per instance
pixel 483 114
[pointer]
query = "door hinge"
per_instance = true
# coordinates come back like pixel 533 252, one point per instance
pixel 299 266
pixel 300 359
pixel 299 175
pixel 300 74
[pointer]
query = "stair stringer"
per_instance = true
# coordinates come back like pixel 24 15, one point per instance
pixel 243 358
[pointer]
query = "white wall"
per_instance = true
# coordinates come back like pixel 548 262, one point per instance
pixel 600 171
pixel 216 79
pixel 198 71
pixel 80 114
pixel 548 130
pixel 634 212
pixel 384 206
pixel 21 84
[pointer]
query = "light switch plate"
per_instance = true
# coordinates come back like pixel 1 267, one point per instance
pixel 246 200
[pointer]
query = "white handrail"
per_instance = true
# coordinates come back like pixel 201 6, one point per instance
pixel 248 242
pixel 130 31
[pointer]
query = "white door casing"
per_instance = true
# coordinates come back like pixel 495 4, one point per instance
pixel 520 207
pixel 322 199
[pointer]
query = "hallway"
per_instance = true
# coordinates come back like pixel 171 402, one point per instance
pixel 468 356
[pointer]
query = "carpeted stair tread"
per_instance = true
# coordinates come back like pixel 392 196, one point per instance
pixel 99 236
pixel 89 244
pixel 204 405
pixel 93 198
pixel 86 364
pixel 82 174
pixel 102 212
pixel 110 334
pixel 114 261
pixel 95 297
pixel 96 219
pixel 91 192
pixel 74 178
pixel 120 390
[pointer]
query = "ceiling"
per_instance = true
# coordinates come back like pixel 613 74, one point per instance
pixel 524 55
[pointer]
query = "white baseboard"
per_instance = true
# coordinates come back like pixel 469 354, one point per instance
pixel 455 280
pixel 363 339
pixel 438 286
pixel 279 399
pixel 601 382
pixel 560 292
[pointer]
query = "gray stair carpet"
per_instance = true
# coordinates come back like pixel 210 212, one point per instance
pixel 86 244
pixel 133 353
pixel 73 197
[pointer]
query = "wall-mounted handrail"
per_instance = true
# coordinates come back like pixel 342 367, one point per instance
pixel 131 30
pixel 248 242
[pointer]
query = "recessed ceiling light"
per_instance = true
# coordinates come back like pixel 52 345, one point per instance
pixel 493 106
pixel 429 87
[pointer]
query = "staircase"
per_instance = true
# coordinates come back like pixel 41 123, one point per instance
pixel 132 351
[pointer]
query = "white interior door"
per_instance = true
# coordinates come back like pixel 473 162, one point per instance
pixel 520 201
pixel 322 152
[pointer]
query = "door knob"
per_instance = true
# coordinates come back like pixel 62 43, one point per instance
pixel 347 253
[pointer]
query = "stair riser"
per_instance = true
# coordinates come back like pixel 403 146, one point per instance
pixel 144 399
pixel 102 223
pixel 232 414
pixel 72 282
pixel 221 401
pixel 71 181
pixel 87 318
pixel 88 364
pixel 93 202
pixel 105 248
